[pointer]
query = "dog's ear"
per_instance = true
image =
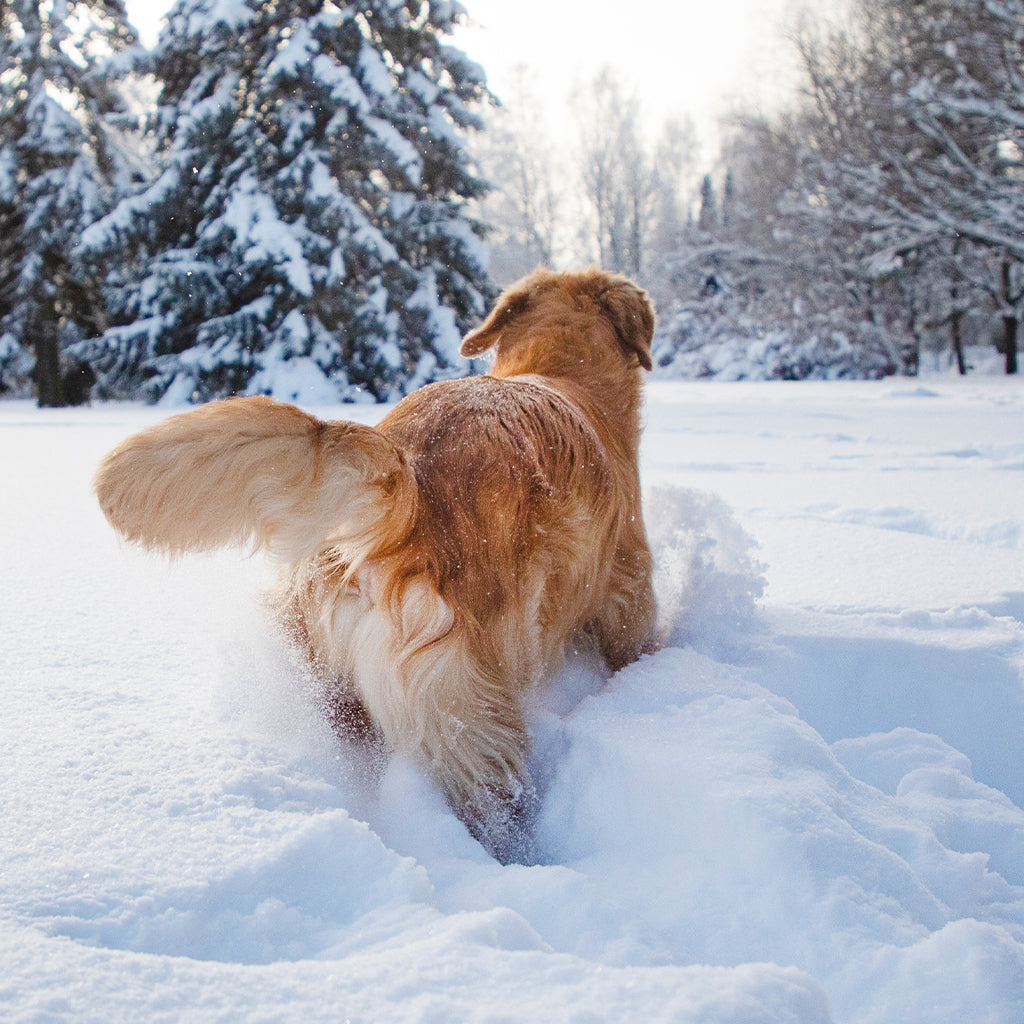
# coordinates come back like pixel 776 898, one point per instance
pixel 510 305
pixel 630 312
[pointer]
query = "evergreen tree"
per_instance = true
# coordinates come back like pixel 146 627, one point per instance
pixel 63 158
pixel 707 216
pixel 308 233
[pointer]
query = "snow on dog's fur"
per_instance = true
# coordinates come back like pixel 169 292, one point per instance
pixel 438 565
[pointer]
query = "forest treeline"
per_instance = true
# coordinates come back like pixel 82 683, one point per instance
pixel 875 220
pixel 316 200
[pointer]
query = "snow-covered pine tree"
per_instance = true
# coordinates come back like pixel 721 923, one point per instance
pixel 63 159
pixel 309 233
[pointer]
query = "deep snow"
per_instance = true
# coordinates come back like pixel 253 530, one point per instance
pixel 806 808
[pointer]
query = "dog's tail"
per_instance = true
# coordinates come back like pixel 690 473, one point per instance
pixel 258 472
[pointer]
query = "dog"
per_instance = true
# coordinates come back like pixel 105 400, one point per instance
pixel 438 566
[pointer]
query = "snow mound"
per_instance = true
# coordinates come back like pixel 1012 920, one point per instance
pixel 706 577
pixel 805 809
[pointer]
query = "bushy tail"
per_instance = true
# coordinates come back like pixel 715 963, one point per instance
pixel 252 471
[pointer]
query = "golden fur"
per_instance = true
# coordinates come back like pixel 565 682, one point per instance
pixel 439 564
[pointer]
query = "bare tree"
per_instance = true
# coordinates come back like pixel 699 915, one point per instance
pixel 617 172
pixel 610 195
pixel 920 140
pixel 526 208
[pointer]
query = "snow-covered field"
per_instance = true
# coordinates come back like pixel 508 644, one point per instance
pixel 806 808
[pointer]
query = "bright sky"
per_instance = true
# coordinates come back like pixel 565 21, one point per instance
pixel 682 56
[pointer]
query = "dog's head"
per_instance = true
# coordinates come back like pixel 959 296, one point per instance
pixel 594 309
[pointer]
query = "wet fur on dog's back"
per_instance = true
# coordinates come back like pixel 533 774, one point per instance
pixel 440 563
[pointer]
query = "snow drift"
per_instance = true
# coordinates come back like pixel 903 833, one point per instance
pixel 806 808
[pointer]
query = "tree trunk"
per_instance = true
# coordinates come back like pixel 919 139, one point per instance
pixel 1011 319
pixel 956 318
pixel 47 375
pixel 910 352
pixel 1010 329
pixel 955 323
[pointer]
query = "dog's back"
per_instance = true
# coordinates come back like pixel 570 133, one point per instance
pixel 514 487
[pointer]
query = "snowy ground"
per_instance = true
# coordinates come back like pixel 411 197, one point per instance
pixel 803 810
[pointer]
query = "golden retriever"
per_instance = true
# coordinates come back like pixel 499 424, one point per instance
pixel 438 565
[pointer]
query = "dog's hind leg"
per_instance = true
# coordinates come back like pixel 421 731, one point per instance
pixel 439 699
pixel 625 627
pixel 481 768
pixel 463 721
pixel 502 820
pixel 475 746
pixel 476 749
